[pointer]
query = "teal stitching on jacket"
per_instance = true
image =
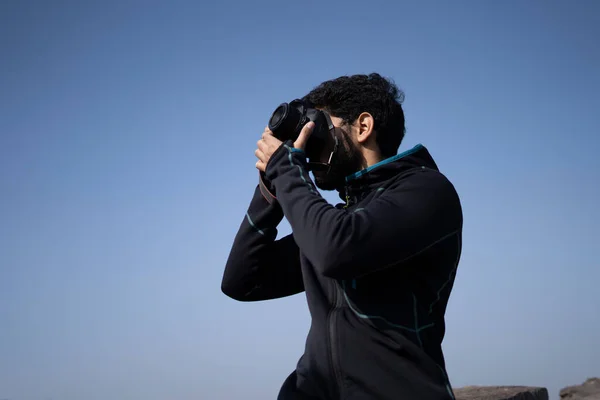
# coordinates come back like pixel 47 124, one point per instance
pixel 439 292
pixel 417 329
pixel 361 209
pixel 416 319
pixel 448 388
pixel 293 150
pixel 254 225
pixel 364 316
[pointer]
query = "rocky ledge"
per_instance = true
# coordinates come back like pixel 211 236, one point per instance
pixel 589 390
pixel 501 393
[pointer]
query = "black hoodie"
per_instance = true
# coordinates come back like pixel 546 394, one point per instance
pixel 377 271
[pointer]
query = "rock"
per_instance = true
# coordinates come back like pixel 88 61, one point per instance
pixel 501 393
pixel 589 390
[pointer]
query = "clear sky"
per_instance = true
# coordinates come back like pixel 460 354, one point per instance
pixel 127 133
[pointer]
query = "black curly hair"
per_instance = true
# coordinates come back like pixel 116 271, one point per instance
pixel 347 97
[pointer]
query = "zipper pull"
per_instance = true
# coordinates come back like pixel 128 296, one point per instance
pixel 347 197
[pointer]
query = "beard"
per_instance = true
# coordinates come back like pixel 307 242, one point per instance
pixel 345 161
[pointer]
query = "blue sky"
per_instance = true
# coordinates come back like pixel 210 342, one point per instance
pixel 127 132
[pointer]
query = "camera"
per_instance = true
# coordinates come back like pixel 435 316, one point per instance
pixel 288 119
pixel 287 122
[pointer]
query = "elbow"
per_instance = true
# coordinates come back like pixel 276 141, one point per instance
pixel 234 283
pixel 230 292
pixel 234 290
pixel 234 293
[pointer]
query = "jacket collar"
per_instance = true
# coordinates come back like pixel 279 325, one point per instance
pixel 362 182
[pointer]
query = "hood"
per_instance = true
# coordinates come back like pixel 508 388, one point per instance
pixel 373 176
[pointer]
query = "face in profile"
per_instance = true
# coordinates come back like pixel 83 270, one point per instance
pixel 347 158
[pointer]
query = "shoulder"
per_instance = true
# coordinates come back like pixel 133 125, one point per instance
pixel 424 179
pixel 425 189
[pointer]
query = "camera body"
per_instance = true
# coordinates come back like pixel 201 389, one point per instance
pixel 288 119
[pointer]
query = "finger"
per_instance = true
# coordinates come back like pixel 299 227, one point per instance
pixel 260 166
pixel 261 144
pixel 305 133
pixel 267 133
pixel 259 154
pixel 270 140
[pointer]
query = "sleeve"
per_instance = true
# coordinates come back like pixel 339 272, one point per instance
pixel 260 267
pixel 410 216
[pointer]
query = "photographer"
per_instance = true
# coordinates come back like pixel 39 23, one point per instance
pixel 377 269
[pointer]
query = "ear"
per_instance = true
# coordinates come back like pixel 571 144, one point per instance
pixel 365 124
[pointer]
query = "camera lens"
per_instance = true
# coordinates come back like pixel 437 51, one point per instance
pixel 278 116
pixel 284 120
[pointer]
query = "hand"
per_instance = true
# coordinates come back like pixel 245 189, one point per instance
pixel 268 144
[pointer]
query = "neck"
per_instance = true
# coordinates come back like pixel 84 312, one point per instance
pixel 371 157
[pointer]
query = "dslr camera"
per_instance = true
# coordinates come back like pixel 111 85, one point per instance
pixel 287 121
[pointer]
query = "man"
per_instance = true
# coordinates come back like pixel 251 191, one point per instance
pixel 377 270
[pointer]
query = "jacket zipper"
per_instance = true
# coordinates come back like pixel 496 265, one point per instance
pixel 333 348
pixel 333 339
pixel 347 197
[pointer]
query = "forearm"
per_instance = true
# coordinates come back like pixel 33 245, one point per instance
pixel 259 267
